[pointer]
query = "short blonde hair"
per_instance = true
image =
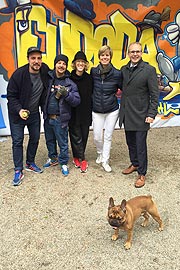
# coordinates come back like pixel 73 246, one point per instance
pixel 105 48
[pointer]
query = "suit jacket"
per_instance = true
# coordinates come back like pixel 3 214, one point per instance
pixel 139 98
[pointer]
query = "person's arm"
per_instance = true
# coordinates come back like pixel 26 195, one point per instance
pixel 154 94
pixel 120 80
pixel 73 97
pixel 13 95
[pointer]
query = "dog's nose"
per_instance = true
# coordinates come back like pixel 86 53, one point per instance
pixel 113 223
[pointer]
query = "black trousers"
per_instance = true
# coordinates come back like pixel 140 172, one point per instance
pixel 78 137
pixel 137 145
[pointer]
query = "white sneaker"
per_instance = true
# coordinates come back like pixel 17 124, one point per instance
pixel 106 167
pixel 99 159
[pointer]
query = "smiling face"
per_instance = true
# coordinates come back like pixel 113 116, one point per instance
pixel 60 68
pixel 35 62
pixel 135 53
pixel 105 58
pixel 80 65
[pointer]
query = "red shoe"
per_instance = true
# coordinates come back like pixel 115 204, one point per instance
pixel 84 166
pixel 76 163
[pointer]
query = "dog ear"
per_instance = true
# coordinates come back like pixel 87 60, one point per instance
pixel 111 202
pixel 123 205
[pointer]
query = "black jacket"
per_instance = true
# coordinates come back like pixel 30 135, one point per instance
pixel 104 90
pixel 19 90
pixel 82 114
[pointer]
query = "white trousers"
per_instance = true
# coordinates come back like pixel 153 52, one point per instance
pixel 103 126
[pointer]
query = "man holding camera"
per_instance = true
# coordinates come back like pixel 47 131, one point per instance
pixel 62 95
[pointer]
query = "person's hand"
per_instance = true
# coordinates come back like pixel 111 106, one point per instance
pixel 61 91
pixel 149 120
pixel 24 114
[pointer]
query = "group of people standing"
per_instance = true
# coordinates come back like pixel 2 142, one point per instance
pixel 72 102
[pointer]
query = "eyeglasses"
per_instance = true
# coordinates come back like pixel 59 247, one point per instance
pixel 133 52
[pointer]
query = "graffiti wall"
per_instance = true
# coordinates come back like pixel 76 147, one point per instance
pixel 69 26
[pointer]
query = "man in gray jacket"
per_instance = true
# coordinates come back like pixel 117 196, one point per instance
pixel 138 109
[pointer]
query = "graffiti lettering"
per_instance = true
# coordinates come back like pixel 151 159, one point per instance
pixel 77 33
pixel 166 110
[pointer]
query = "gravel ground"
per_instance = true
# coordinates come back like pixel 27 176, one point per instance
pixel 54 222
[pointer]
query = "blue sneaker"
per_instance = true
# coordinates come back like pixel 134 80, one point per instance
pixel 64 170
pixel 33 168
pixel 18 176
pixel 51 162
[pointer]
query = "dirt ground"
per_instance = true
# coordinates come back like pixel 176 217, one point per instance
pixel 54 222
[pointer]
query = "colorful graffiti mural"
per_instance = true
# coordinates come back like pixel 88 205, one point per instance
pixel 68 26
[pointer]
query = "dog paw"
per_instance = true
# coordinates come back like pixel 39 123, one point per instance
pixel 144 224
pixel 160 229
pixel 114 237
pixel 127 245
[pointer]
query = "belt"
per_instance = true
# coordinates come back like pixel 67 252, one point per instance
pixel 53 116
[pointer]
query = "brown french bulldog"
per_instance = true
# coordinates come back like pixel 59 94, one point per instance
pixel 124 216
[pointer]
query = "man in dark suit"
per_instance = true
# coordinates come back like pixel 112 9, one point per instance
pixel 139 103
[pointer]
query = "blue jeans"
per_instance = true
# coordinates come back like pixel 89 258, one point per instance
pixel 55 134
pixel 17 134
